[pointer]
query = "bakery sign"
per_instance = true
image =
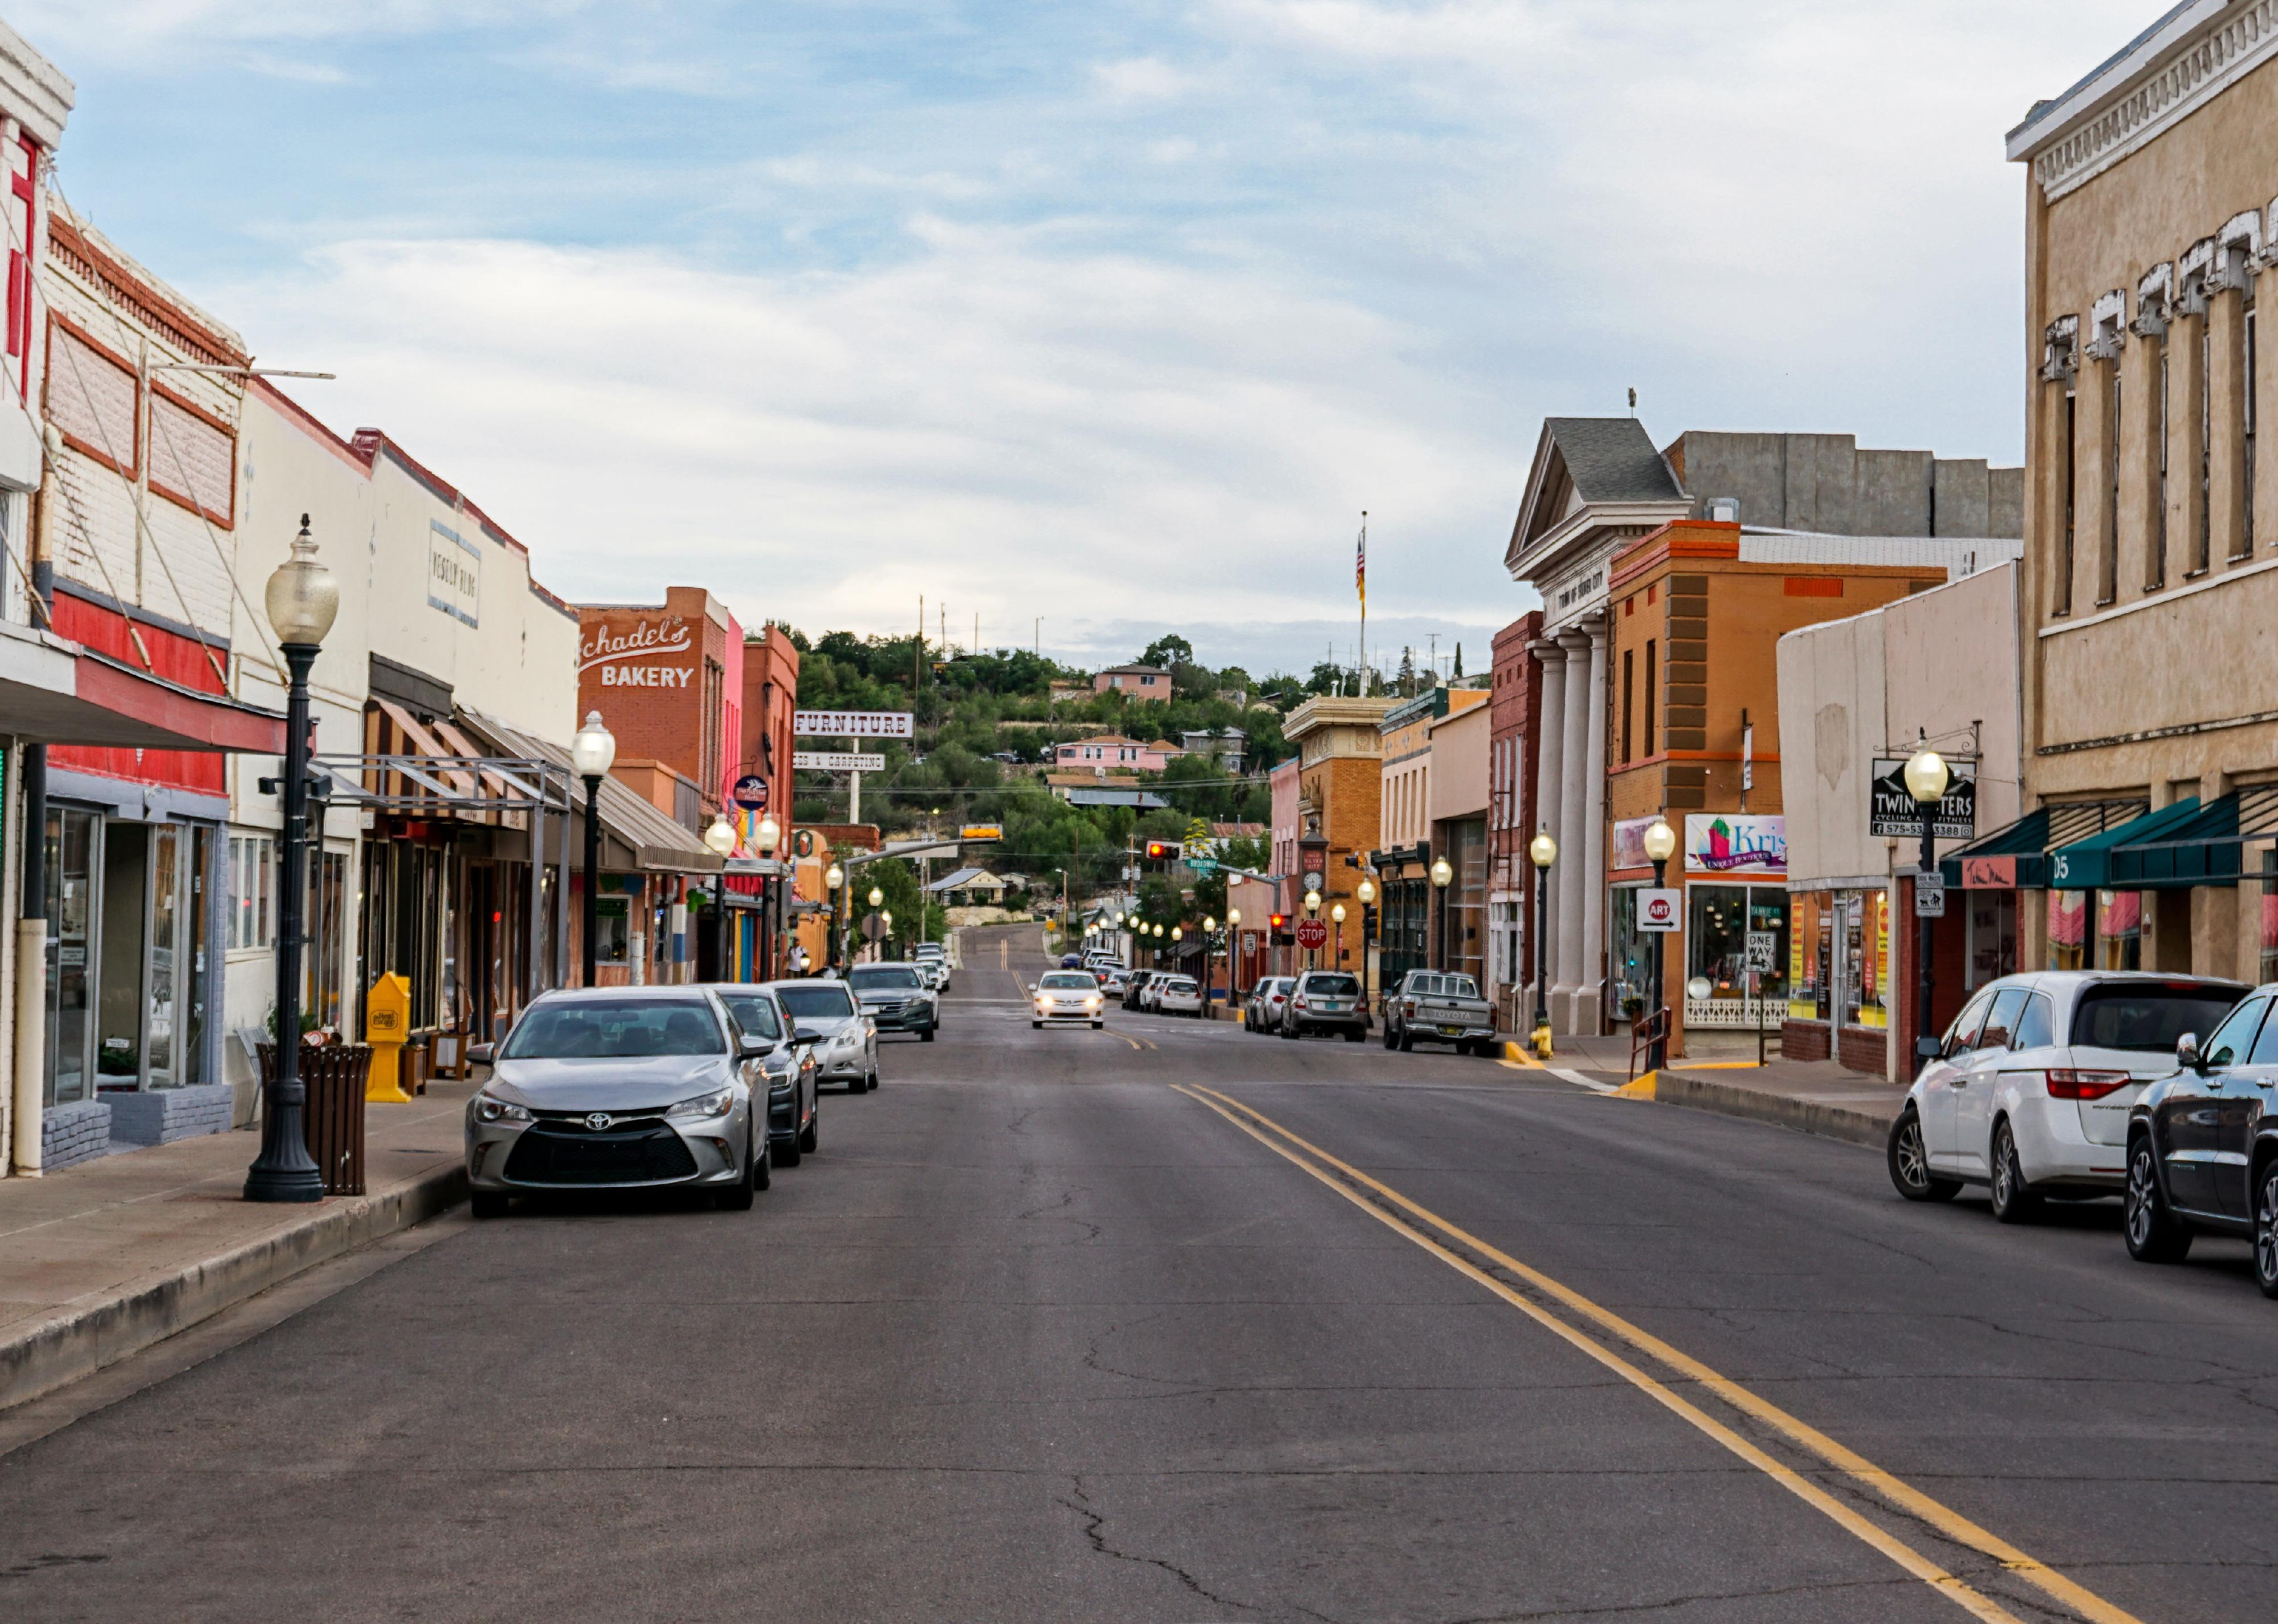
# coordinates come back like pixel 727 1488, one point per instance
pixel 648 654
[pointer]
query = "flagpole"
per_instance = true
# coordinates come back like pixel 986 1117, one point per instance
pixel 1363 582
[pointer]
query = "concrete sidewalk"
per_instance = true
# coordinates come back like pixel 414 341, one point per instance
pixel 1814 1096
pixel 102 1260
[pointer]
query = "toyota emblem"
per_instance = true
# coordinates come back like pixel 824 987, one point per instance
pixel 599 1120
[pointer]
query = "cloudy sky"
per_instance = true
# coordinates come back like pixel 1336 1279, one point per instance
pixel 1115 313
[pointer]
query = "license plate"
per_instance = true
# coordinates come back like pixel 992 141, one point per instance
pixel 600 1157
pixel 1450 1031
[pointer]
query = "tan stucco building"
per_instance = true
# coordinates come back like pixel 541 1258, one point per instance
pixel 2150 577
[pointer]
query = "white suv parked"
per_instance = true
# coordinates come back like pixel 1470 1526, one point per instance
pixel 2030 1091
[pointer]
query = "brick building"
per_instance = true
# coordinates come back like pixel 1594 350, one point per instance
pixel 1340 787
pixel 668 681
pixel 1514 694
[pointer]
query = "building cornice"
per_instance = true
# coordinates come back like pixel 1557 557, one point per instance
pixel 1551 549
pixel 2174 68
pixel 33 91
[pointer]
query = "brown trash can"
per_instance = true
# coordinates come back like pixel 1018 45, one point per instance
pixel 335 1075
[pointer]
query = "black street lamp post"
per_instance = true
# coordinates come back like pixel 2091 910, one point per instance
pixel 1542 851
pixel 1927 777
pixel 301 599
pixel 834 881
pixel 1659 845
pixel 593 752
pixel 720 840
pixel 1443 874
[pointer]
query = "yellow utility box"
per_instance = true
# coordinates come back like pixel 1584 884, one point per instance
pixel 387 1023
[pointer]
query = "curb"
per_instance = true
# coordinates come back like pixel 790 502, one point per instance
pixel 1838 1122
pixel 60 1352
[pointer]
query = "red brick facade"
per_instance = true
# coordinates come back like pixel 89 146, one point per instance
pixel 665 679
pixel 1515 723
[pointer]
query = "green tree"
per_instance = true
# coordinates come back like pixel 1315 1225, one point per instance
pixel 1168 650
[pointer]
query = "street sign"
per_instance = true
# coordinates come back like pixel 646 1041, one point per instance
pixel 874 928
pixel 1762 944
pixel 1202 865
pixel 852 724
pixel 751 792
pixel 1895 815
pixel 837 762
pixel 1311 933
pixel 980 831
pixel 1661 909
pixel 1930 896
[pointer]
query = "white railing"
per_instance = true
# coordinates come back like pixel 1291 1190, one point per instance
pixel 1737 1014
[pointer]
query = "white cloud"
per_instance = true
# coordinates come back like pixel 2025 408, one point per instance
pixel 1142 78
pixel 1019 433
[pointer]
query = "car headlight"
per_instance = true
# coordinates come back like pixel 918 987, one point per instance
pixel 1092 1001
pixel 488 1108
pixel 717 1104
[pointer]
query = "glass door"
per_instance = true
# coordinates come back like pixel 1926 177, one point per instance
pixel 160 1033
pixel 74 840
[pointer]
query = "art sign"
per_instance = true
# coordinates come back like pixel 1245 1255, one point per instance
pixel 1662 910
pixel 1895 815
pixel 1736 843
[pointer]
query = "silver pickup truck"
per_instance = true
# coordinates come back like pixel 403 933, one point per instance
pixel 1435 1006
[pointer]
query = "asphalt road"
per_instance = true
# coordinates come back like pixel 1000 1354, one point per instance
pixel 1168 1322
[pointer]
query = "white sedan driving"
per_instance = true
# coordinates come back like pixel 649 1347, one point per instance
pixel 1066 997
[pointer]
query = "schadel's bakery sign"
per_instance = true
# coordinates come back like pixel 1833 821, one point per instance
pixel 633 658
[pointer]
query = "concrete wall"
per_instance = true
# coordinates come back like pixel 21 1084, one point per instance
pixel 1825 482
pixel 1459 763
pixel 1831 715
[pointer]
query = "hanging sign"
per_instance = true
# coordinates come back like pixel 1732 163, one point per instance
pixel 1895 815
pixel 751 792
pixel 837 762
pixel 1661 909
pixel 852 724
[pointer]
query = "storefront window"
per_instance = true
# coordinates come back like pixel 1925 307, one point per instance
pixel 1810 935
pixel 1867 959
pixel 2068 930
pixel 2268 968
pixel 1719 920
pixel 2119 930
pixel 612 930
pixel 1992 937
pixel 1632 956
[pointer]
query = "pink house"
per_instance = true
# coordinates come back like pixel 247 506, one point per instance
pixel 1139 682
pixel 1113 752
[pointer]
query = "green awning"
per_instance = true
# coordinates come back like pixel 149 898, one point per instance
pixel 2086 864
pixel 2017 853
pixel 2203 849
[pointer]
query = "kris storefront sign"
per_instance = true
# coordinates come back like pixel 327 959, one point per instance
pixel 1735 843
pixel 454 573
pixel 852 724
pixel 646 654
pixel 1893 814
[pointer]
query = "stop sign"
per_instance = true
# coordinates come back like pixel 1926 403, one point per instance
pixel 1312 934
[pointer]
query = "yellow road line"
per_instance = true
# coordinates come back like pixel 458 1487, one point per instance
pixel 1946 1520
pixel 1137 1043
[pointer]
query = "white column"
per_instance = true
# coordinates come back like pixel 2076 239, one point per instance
pixel 1553 726
pixel 1567 973
pixel 1589 991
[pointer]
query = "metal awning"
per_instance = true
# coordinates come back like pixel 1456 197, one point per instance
pixel 2086 864
pixel 55 691
pixel 2016 855
pixel 2202 849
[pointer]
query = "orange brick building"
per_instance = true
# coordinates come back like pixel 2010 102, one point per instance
pixel 1693 735
pixel 666 678
pixel 1339 786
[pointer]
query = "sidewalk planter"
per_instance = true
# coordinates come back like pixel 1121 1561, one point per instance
pixel 334 1075
pixel 161 1115
pixel 73 1132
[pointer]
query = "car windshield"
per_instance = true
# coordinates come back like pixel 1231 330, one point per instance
pixel 2132 1014
pixel 756 1014
pixel 1332 985
pixel 615 1028
pixel 1071 980
pixel 825 1001
pixel 875 977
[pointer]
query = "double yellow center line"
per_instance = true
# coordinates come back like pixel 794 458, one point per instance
pixel 1443 1239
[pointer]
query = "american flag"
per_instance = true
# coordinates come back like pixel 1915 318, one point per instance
pixel 1360 565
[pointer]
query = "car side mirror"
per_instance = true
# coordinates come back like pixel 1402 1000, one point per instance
pixel 751 1046
pixel 802 1038
pixel 481 1053
pixel 2187 1053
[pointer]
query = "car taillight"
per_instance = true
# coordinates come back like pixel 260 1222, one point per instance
pixel 2067 1084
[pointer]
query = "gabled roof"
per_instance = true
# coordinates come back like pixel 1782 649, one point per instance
pixel 1589 462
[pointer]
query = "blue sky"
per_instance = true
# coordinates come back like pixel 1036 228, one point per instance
pixel 1113 314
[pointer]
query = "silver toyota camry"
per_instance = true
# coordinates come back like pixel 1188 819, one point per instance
pixel 845 1040
pixel 621 1087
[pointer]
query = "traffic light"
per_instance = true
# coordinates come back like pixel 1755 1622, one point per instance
pixel 1278 922
pixel 1158 851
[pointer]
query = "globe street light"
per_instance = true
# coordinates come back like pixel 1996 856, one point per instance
pixel 302 598
pixel 719 840
pixel 1444 874
pixel 834 879
pixel 1337 914
pixel 1927 778
pixel 593 752
pixel 1659 845
pixel 1541 852
pixel 769 835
